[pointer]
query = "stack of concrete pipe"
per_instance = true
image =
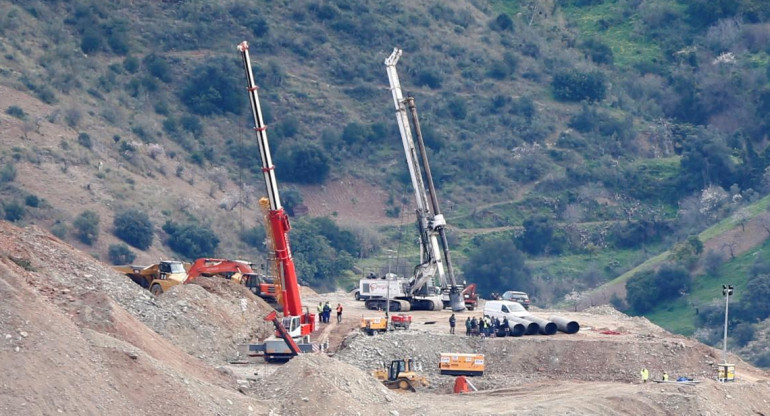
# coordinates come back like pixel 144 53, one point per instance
pixel 531 326
pixel 565 325
pixel 546 327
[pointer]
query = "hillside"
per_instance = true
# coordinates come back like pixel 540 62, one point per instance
pixel 571 142
pixel 67 317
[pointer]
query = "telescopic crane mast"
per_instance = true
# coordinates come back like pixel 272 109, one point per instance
pixel 276 216
pixel 430 221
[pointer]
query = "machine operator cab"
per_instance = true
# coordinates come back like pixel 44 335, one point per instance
pixel 167 268
pixel 504 309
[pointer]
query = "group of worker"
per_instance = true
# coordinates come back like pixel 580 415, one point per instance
pixel 325 310
pixel 646 375
pixel 484 326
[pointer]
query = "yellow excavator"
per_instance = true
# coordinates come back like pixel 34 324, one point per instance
pixel 400 376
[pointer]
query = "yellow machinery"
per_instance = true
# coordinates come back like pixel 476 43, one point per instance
pixel 461 364
pixel 400 375
pixel 157 277
pixel 371 325
pixel 374 324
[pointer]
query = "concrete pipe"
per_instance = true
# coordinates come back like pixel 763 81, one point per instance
pixel 546 327
pixel 531 328
pixel 565 325
pixel 516 329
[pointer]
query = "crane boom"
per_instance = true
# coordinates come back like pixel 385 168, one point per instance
pixel 430 222
pixel 277 217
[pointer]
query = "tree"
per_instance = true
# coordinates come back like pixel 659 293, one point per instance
pixel 120 254
pixel 757 293
pixel 87 227
pixel 291 198
pixel 572 85
pixel 193 241
pixel 135 228
pixel 687 252
pixel 639 291
pixel 341 240
pixel 498 266
pixel 303 163
pixel 706 161
pixel 210 90
pixel 671 281
pixel 538 233
pixel 646 289
pixel 316 259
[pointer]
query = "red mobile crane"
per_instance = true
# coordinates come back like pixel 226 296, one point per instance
pixel 293 330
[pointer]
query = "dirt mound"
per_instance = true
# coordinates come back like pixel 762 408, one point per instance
pixel 210 318
pixel 65 318
pixel 324 386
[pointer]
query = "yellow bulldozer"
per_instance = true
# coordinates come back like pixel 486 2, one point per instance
pixel 400 375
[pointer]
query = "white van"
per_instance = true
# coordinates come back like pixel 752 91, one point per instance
pixel 504 309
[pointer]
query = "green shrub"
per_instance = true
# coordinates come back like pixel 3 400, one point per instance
pixel 573 85
pixel 646 289
pixel 8 173
pixel 120 254
pixel 431 78
pixel 117 36
pixel 91 41
pixel 135 228
pixel 158 67
pixel 84 140
pixel 131 64
pixel 210 90
pixel 87 227
pixel 192 124
pixel 32 201
pixel 254 236
pixel 291 198
pixel 193 241
pixel 60 229
pixel 170 125
pixel 16 111
pixel 303 163
pixel 502 23
pixel 14 211
pixel 598 51
pixel 354 133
